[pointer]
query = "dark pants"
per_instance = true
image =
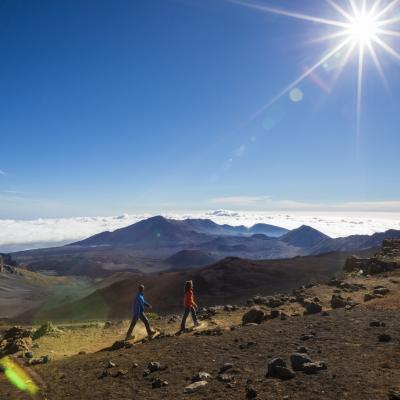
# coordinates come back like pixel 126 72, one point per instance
pixel 186 314
pixel 135 319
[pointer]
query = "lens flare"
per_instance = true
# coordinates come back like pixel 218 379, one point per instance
pixel 18 377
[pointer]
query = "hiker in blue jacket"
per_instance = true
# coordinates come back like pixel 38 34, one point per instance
pixel 138 313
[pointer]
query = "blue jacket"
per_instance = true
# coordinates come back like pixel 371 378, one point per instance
pixel 139 303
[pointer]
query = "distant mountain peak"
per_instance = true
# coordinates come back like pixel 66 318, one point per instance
pixel 304 236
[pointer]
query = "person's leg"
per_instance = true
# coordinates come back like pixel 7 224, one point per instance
pixel 146 324
pixel 185 315
pixel 131 326
pixel 194 316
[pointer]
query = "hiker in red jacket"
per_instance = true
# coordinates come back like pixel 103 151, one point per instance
pixel 190 305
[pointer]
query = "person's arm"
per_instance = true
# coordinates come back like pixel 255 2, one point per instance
pixel 147 304
pixel 193 302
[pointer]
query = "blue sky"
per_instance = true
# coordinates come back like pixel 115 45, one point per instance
pixel 148 106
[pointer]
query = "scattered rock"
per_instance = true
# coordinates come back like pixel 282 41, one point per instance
pixel 201 376
pixel 225 378
pixel 394 395
pixel 337 301
pixel 369 297
pixel 255 315
pixel 196 386
pixel 302 350
pixel 298 360
pixel 38 360
pixel 381 291
pixel 229 308
pixel 376 323
pixel 225 367
pixel 385 338
pixel 274 314
pixel 277 369
pixel 251 393
pixel 307 336
pixel 314 367
pixel 158 383
pixel 156 366
pixel 111 365
pixel 312 307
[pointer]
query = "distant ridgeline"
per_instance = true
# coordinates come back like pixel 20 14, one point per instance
pixel 387 259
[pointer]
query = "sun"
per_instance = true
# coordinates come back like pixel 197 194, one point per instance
pixel 361 27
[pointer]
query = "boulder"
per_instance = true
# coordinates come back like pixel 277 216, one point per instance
pixel 255 315
pixel 313 307
pixel 337 301
pixel 277 368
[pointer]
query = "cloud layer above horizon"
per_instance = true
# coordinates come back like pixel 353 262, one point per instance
pixel 18 235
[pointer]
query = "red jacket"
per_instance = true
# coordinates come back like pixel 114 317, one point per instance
pixel 188 299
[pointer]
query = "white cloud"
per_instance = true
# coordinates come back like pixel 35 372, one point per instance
pixel 239 200
pixel 46 232
pixel 268 203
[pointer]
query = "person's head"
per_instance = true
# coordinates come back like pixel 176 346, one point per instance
pixel 141 288
pixel 188 285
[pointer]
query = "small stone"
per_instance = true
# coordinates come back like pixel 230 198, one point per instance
pixel 154 366
pixel 225 367
pixel 314 367
pixel 381 291
pixel 394 395
pixel 201 376
pixel 375 323
pixel 385 338
pixel 298 360
pixel 369 297
pixel 28 354
pixel 111 365
pixel 158 383
pixel 302 349
pixel 196 386
pixel 251 393
pixel 225 378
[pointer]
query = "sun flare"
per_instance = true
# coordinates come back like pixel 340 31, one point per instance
pixel 361 27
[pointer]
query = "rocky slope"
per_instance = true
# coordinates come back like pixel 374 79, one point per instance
pixel 327 340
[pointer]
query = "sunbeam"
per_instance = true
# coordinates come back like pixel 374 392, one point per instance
pixel 363 28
